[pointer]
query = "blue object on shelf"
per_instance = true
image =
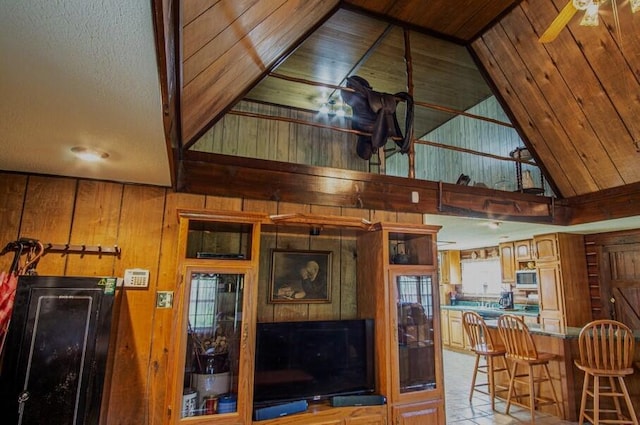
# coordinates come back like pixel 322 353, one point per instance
pixel 227 403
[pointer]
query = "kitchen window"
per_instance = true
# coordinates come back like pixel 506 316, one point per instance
pixel 477 274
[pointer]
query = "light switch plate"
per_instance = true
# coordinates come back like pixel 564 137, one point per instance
pixel 164 299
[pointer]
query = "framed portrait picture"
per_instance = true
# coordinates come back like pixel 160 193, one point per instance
pixel 300 277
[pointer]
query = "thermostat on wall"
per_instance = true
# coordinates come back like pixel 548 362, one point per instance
pixel 136 278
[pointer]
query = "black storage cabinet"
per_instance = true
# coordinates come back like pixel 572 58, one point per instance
pixel 56 351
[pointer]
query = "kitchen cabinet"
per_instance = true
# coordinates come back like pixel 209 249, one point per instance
pixel 449 267
pixel 507 262
pixel 563 289
pixel 453 334
pixel 214 317
pixel 444 327
pixel 546 247
pixel 523 251
pixel 456 329
pixel 404 300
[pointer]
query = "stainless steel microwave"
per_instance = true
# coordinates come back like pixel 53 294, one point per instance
pixel 526 279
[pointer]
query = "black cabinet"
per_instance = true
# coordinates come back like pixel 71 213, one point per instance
pixel 55 355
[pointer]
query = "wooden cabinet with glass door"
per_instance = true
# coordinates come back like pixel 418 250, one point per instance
pixel 398 286
pixel 215 319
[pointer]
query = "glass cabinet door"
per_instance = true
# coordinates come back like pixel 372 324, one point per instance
pixel 214 329
pixel 415 330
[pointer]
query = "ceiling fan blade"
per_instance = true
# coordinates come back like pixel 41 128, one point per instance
pixel 559 23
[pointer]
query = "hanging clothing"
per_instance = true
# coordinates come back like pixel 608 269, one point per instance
pixel 8 284
pixel 33 250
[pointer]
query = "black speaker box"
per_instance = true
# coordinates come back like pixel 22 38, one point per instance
pixel 358 400
pixel 280 410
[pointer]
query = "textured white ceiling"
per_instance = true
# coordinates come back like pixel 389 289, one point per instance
pixel 469 233
pixel 81 72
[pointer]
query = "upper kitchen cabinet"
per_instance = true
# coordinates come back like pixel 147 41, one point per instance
pixel 507 262
pixel 523 250
pixel 546 247
pixel 449 267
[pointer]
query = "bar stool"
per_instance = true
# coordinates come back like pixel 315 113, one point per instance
pixel 483 345
pixel 521 351
pixel 606 351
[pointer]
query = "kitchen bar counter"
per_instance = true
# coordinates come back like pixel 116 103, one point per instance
pixel 567 378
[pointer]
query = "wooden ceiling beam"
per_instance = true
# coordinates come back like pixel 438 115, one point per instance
pixel 231 176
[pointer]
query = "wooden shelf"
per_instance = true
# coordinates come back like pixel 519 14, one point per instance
pixel 321 220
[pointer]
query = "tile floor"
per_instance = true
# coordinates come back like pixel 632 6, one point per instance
pixel 458 370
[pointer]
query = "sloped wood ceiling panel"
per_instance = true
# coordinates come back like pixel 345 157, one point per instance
pixel 576 99
pixel 443 73
pixel 460 19
pixel 228 44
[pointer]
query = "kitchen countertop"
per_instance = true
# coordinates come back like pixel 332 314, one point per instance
pixel 490 310
pixel 491 319
pixel 535 329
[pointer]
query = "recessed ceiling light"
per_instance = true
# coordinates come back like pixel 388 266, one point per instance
pixel 89 154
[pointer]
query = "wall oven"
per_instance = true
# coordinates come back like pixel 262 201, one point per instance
pixel 526 279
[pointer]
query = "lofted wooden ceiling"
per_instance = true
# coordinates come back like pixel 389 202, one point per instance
pixel 350 43
pixel 461 20
pixel 575 101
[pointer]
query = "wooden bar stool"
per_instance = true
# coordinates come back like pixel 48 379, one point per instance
pixel 606 351
pixel 521 351
pixel 483 345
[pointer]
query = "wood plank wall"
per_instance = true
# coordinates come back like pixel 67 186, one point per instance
pixel 437 164
pixel 142 221
pixel 283 141
pixel 303 144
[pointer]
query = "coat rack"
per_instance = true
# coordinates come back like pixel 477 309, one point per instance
pixel 83 249
pixel 34 249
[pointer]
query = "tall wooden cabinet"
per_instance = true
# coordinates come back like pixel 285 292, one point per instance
pixel 563 287
pixel 449 267
pixel 507 262
pixel 214 319
pixel 402 296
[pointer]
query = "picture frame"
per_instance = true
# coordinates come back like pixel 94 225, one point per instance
pixel 300 276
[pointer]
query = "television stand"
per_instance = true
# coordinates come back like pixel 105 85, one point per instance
pixel 323 413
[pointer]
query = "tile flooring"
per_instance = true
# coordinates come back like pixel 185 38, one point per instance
pixel 458 369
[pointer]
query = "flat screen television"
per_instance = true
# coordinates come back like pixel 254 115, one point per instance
pixel 313 360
